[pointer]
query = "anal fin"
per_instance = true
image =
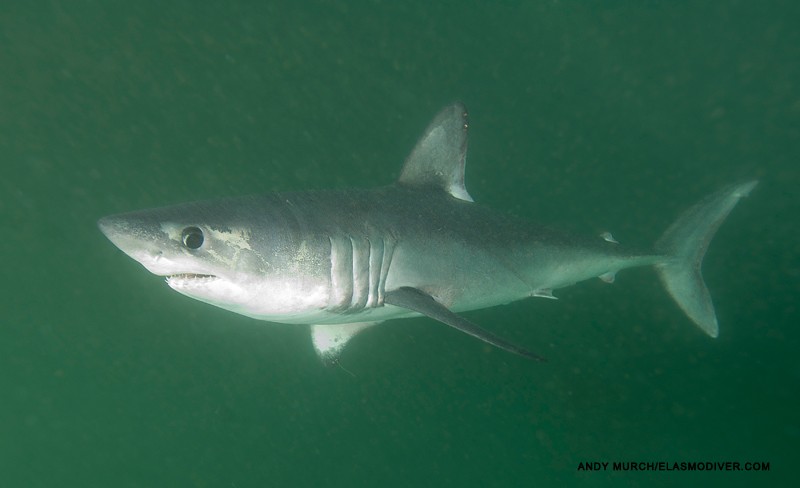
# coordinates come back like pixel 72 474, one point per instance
pixel 419 301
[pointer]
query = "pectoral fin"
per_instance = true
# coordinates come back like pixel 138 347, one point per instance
pixel 419 301
pixel 329 340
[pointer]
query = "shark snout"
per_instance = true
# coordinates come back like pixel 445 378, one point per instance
pixel 124 234
pixel 150 246
pixel 107 225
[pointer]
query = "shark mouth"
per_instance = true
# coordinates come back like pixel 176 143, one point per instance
pixel 186 279
pixel 190 276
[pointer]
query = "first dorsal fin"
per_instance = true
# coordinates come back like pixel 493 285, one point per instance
pixel 438 158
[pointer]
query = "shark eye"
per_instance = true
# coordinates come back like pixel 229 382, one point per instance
pixel 192 238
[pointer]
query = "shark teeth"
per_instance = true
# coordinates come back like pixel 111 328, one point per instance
pixel 183 279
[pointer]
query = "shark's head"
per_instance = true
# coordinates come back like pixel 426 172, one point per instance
pixel 208 251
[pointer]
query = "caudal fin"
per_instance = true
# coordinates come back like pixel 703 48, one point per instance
pixel 684 244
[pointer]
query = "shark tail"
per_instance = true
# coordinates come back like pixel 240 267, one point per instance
pixel 684 244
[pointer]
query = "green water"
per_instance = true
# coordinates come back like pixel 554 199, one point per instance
pixel 590 115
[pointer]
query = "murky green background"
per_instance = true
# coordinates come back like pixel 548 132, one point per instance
pixel 591 115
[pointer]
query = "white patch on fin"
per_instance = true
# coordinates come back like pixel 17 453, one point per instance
pixel 330 339
pixel 608 277
pixel 609 238
pixel 544 293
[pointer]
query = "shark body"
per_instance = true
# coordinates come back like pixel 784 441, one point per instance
pixel 341 261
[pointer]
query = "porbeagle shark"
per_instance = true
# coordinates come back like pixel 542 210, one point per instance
pixel 340 261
